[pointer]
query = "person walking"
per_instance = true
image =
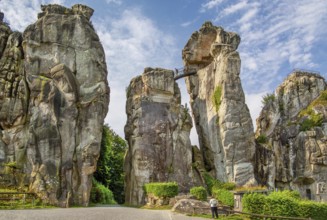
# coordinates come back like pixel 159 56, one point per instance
pixel 213 205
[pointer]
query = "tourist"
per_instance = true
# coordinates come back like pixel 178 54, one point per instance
pixel 213 205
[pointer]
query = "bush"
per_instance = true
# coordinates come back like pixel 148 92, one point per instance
pixel 224 196
pixel 314 210
pixel 280 204
pixel 216 99
pixel 269 97
pixel 169 189
pixel 199 192
pixel 262 139
pixel 253 203
pixel 284 203
pixel 101 194
pixel 211 182
pixel 228 186
pixel 314 120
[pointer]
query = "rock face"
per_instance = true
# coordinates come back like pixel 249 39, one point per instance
pixel 222 118
pixel 157 131
pixel 54 97
pixel 292 136
pixel 192 206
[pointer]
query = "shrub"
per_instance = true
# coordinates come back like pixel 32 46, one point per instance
pixel 269 97
pixel 314 120
pixel 211 182
pixel 254 203
pixel 314 210
pixel 280 204
pixel 262 139
pixel 228 186
pixel 224 196
pixel 169 189
pixel 216 99
pixel 199 192
pixel 101 194
pixel 283 203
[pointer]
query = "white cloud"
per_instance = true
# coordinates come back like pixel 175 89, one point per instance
pixel 118 2
pixel 131 42
pixel 210 4
pixel 21 13
pixel 234 8
pixel 277 36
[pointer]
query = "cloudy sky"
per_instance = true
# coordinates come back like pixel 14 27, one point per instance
pixel 277 37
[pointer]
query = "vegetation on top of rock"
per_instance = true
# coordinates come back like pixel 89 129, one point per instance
pixel 321 100
pixel 314 120
pixel 216 99
pixel 110 171
pixel 199 192
pixel 262 139
pixel 168 189
pixel 269 97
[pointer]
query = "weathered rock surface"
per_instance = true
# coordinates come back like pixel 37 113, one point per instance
pixel 54 97
pixel 222 118
pixel 157 131
pixel 192 206
pixel 292 136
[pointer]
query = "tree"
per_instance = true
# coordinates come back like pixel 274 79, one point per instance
pixel 110 164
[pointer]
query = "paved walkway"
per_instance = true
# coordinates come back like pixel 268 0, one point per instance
pixel 96 213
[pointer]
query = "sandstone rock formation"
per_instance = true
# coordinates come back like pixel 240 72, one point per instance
pixel 54 97
pixel 292 136
pixel 157 131
pixel 191 207
pixel 222 118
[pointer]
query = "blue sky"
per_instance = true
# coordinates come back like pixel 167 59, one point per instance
pixel 277 37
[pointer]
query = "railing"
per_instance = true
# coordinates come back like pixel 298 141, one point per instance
pixel 305 71
pixel 181 72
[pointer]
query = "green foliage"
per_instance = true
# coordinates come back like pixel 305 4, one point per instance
pixel 224 196
pixel 253 203
pixel 110 171
pixel 228 186
pixel 269 97
pixel 314 210
pixel 216 99
pixel 281 205
pixel 262 139
pixel 210 182
pixel 314 120
pixel 284 203
pixel 199 192
pixel 101 194
pixel 169 189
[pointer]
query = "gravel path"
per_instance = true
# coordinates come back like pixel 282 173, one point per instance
pixel 96 213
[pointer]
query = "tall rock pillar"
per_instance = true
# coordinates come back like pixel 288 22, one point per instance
pixel 221 116
pixel 157 132
pixel 53 100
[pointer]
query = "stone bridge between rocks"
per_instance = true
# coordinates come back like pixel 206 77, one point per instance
pixel 182 72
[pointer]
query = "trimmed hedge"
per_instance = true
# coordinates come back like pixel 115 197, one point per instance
pixel 284 203
pixel 199 192
pixel 101 194
pixel 224 196
pixel 169 189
